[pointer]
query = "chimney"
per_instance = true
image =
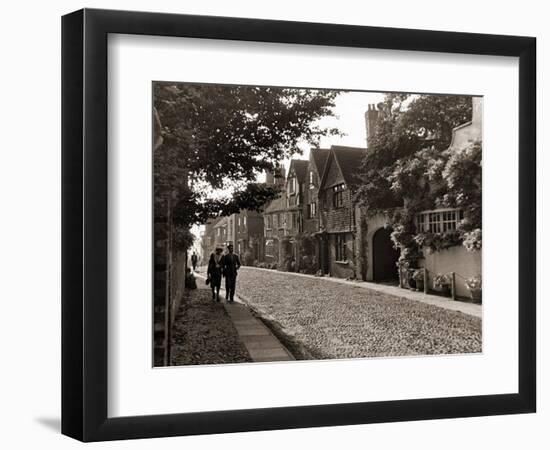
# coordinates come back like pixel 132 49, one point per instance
pixel 280 175
pixel 371 118
pixel 276 177
pixel 269 178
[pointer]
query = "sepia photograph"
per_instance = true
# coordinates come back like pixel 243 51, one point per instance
pixel 295 224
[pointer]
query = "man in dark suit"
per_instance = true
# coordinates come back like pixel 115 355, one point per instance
pixel 231 265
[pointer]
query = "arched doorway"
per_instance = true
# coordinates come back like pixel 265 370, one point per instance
pixel 384 256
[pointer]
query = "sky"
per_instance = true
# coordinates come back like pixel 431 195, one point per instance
pixel 349 110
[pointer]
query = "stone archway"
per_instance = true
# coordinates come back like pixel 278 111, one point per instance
pixel 384 256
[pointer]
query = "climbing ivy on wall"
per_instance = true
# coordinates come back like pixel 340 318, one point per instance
pixel 409 169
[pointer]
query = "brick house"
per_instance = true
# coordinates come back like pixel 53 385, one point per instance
pixel 245 231
pixel 208 244
pixel 337 211
pixel 295 188
pixel 220 232
pixel 274 219
pixel 311 217
pixel 275 230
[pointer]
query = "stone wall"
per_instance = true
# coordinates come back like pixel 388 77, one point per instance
pixel 169 277
pixel 456 259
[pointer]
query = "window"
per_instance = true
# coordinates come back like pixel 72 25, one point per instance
pixel 340 244
pixel 311 210
pixel 281 220
pixel 268 222
pixel 338 195
pixel 244 221
pixel 275 221
pixel 311 180
pixel 439 221
pixel 269 248
pixel 292 185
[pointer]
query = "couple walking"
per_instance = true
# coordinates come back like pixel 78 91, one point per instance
pixel 223 265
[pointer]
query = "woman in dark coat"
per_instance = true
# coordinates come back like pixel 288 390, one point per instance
pixel 214 273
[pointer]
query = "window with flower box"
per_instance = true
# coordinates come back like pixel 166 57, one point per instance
pixel 439 221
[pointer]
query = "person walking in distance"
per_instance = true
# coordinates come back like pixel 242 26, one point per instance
pixel 214 273
pixel 231 265
pixel 194 260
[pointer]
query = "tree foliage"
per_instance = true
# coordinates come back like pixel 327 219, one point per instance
pixel 409 168
pixel 408 124
pixel 218 137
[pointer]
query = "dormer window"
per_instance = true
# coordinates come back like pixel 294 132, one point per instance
pixel 338 195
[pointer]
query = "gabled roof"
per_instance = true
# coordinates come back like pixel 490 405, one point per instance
pixel 222 222
pixel 279 204
pixel 319 157
pixel 300 169
pixel 348 159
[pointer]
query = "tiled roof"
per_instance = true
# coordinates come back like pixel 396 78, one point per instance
pixel 300 168
pixel 279 204
pixel 319 157
pixel 349 159
pixel 221 222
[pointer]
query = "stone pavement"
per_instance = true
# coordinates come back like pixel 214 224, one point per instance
pixel 471 309
pixel 261 344
pixel 258 339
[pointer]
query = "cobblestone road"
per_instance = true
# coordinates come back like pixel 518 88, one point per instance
pixel 325 320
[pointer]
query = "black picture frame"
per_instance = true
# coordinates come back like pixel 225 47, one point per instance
pixel 84 224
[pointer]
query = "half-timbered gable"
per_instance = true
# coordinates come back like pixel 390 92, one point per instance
pixel 337 210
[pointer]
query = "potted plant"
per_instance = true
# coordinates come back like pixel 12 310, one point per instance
pixel 410 282
pixel 442 283
pixel 418 277
pixel 474 286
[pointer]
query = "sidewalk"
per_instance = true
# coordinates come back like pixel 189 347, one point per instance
pixel 471 309
pixel 259 341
